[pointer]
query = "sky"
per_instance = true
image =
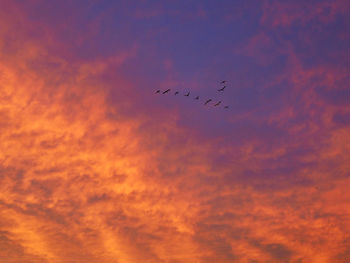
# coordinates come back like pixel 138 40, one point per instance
pixel 96 167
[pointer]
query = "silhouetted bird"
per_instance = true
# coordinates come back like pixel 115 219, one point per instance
pixel 188 94
pixel 226 107
pixel 223 82
pixel 176 92
pixel 158 91
pixel 166 91
pixel 222 89
pixel 217 104
pixel 207 101
pixel 197 98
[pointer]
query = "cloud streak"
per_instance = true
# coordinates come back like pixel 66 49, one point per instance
pixel 95 169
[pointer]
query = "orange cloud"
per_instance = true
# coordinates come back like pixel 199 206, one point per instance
pixel 83 181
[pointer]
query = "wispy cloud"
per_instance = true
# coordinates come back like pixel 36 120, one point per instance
pixel 94 170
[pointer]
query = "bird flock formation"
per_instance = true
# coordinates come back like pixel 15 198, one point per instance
pixel 223 82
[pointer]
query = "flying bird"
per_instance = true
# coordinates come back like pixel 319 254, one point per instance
pixel 207 101
pixel 223 82
pixel 176 92
pixel 222 89
pixel 217 104
pixel 188 94
pixel 197 98
pixel 158 91
pixel 226 107
pixel 166 91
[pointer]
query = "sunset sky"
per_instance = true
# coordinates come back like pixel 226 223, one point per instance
pixel 95 167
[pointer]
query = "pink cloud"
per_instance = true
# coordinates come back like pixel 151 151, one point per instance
pixel 81 180
pixel 285 14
